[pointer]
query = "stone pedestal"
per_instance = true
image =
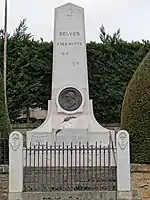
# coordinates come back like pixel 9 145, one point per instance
pixel 124 195
pixel 15 166
pixel 15 196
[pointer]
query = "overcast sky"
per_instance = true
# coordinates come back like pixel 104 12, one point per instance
pixel 131 16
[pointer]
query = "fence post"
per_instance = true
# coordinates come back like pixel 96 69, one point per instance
pixel 15 165
pixel 123 165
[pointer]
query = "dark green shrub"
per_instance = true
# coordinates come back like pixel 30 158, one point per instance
pixel 135 116
pixel 4 126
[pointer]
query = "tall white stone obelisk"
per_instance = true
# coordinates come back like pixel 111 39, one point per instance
pixel 70 112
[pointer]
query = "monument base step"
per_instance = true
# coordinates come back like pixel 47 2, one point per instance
pixel 72 195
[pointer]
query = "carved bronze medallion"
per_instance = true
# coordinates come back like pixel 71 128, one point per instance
pixel 70 99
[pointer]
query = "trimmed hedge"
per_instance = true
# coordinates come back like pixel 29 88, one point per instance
pixel 4 120
pixel 111 64
pixel 5 127
pixel 135 116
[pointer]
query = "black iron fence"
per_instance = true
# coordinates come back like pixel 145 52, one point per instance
pixel 70 168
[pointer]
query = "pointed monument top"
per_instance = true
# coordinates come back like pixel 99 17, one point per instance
pixel 69 5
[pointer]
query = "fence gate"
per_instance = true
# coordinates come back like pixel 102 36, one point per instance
pixel 69 168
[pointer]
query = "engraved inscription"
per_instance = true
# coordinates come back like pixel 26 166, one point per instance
pixel 70 99
pixel 69 43
pixel 70 13
pixel 62 198
pixel 74 63
pixel 69 33
pixel 15 141
pixel 74 139
pixel 123 140
pixel 37 140
pixel 64 53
